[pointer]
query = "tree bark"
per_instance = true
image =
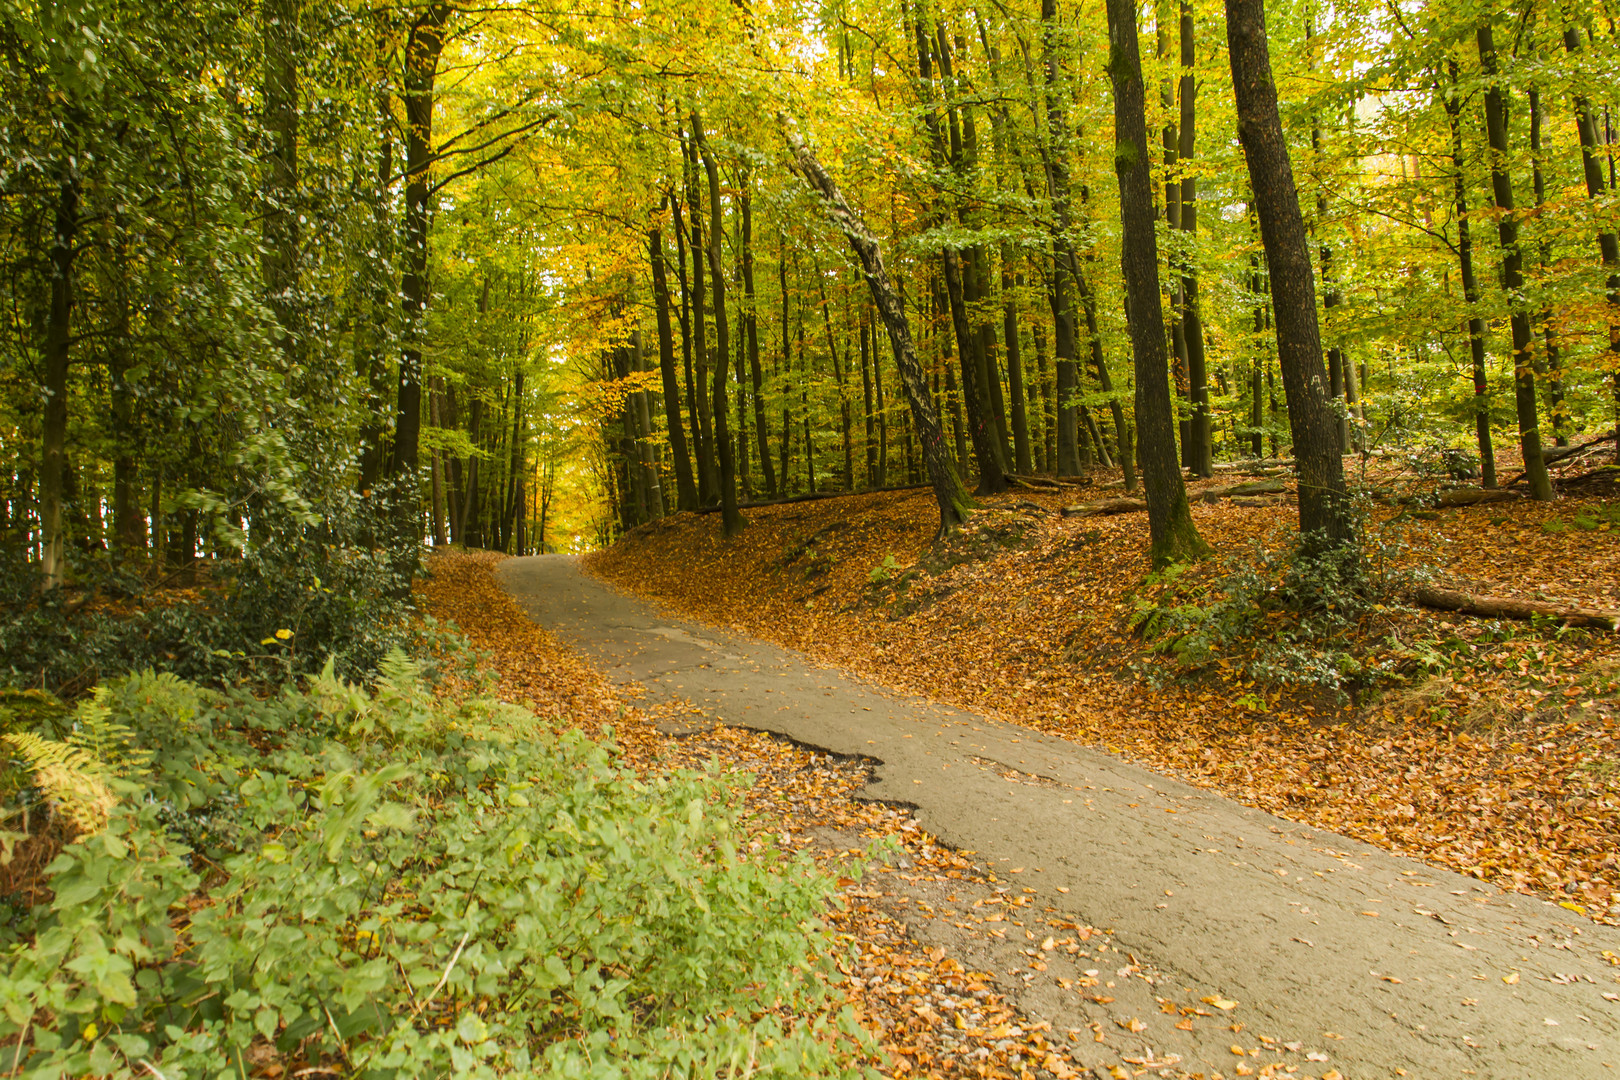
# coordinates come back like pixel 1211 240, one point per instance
pixel 1174 537
pixel 422 52
pixel 751 319
pixel 1325 519
pixel 1608 241
pixel 1507 231
pixel 53 463
pixel 1470 284
pixel 686 496
pixel 1015 365
pixel 1200 442
pixel 948 492
pixel 731 520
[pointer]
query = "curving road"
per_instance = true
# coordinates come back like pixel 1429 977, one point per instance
pixel 1385 964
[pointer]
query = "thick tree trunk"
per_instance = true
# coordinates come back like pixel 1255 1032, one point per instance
pixel 1507 230
pixel 731 520
pixel 686 496
pixel 1174 536
pixel 646 450
pixel 948 492
pixel 422 51
pixel 1470 284
pixel 53 462
pixel 1325 519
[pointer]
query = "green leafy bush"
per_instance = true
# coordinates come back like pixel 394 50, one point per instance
pixel 400 887
pixel 1287 613
pixel 309 588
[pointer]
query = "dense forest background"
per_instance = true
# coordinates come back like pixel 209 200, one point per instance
pixel 515 279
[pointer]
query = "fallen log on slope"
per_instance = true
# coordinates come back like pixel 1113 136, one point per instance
pixel 1473 496
pixel 1105 507
pixel 1508 607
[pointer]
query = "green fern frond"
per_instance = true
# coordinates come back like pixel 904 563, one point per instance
pixel 108 742
pixel 74 782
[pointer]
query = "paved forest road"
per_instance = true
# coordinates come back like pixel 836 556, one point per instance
pixel 1416 968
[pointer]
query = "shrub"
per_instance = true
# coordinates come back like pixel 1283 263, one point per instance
pixel 408 888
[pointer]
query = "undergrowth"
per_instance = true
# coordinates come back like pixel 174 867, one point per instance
pixel 387 884
pixel 1284 613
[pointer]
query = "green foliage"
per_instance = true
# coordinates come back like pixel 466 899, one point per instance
pixel 884 571
pixel 1282 615
pixel 331 584
pixel 1587 519
pixel 402 886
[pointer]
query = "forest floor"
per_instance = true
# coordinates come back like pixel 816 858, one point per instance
pixel 1491 748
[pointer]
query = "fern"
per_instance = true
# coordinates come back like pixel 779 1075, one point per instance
pixel 74 781
pixel 108 743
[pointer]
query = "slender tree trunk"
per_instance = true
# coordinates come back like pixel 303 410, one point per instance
pixel 731 519
pixel 686 496
pixel 948 492
pixel 646 451
pixel 870 443
pixel 279 260
pixel 785 369
pixel 707 450
pixel 1174 536
pixel 1507 230
pixel 1552 368
pixel 840 382
pixel 437 466
pixel 1200 441
pixel 761 432
pixel 1608 242
pixel 1325 520
pixel 1057 180
pixel 53 462
pixel 1470 284
pixel 1015 366
pixel 694 409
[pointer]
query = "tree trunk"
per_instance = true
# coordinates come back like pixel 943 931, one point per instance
pixel 1325 519
pixel 1057 180
pixel 279 260
pixel 1608 241
pixel 708 474
pixel 731 520
pixel 1174 536
pixel 1470 284
pixel 1507 231
pixel 646 451
pixel 1552 367
pixel 761 432
pixel 686 496
pixel 1015 366
pixel 422 51
pixel 948 492
pixel 694 409
pixel 870 444
pixel 53 463
pixel 1200 439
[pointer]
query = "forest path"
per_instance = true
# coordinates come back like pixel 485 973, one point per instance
pixel 1370 963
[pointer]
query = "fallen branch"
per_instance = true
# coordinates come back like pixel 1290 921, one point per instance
pixel 1042 482
pixel 1567 454
pixel 1105 507
pixel 1252 487
pixel 814 496
pixel 1472 496
pixel 1507 607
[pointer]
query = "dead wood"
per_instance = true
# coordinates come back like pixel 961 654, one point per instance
pixel 1105 507
pixel 1472 496
pixel 1508 607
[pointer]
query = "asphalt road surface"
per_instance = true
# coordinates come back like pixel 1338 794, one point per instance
pixel 1386 963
